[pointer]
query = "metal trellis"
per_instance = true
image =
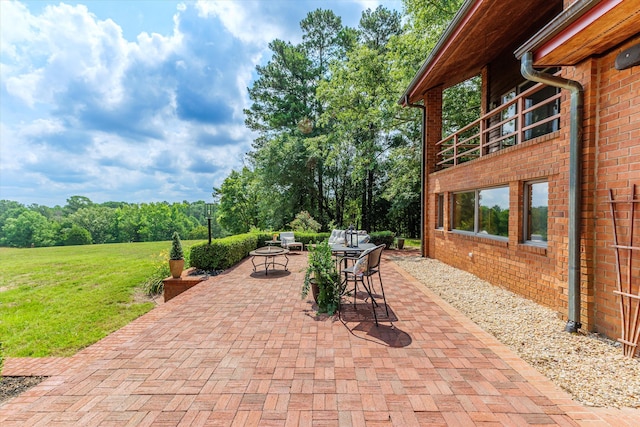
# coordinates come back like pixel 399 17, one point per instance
pixel 628 286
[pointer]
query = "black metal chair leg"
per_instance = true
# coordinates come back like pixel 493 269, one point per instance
pixel 386 307
pixel 373 300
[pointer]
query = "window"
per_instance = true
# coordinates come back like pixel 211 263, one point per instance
pixel 494 211
pixel 508 128
pixel 541 113
pixel 483 211
pixel 464 211
pixel 440 218
pixel 536 211
pixel 544 110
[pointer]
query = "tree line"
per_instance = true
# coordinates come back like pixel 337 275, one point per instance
pixel 332 138
pixel 82 222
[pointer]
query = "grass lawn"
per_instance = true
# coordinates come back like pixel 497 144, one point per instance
pixel 414 243
pixel 55 301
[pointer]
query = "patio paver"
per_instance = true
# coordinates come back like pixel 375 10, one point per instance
pixel 244 349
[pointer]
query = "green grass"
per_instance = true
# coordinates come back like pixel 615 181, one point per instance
pixel 414 243
pixel 55 301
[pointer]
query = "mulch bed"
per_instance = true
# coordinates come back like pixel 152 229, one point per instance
pixel 13 386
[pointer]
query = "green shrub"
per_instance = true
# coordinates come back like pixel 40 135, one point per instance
pixel 223 253
pixel 176 252
pixel 309 238
pixel 201 232
pixel 77 235
pixel 380 237
pixel 262 236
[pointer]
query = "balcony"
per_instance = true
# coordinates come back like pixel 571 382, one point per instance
pixel 532 113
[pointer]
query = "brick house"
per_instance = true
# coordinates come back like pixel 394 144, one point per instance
pixel 520 197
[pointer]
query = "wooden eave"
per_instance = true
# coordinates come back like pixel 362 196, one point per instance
pixel 586 28
pixel 480 32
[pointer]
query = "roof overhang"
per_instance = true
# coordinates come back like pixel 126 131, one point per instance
pixel 586 28
pixel 481 31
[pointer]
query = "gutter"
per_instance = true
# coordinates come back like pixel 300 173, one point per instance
pixel 560 23
pixel 422 169
pixel 575 185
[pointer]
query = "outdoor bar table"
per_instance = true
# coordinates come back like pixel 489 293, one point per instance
pixel 343 250
pixel 269 253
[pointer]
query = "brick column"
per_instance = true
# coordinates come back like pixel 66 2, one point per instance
pixel 432 134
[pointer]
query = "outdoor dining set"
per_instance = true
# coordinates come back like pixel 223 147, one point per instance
pixel 357 261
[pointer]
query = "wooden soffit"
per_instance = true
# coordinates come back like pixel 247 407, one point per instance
pixel 586 28
pixel 481 31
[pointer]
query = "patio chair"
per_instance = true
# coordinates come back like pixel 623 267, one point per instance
pixel 288 241
pixel 366 266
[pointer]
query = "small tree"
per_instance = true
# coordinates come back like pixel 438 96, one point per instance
pixel 176 247
pixel 304 222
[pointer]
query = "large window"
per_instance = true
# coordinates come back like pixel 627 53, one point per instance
pixel 484 211
pixel 536 211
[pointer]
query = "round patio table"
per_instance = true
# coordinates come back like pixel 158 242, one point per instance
pixel 269 253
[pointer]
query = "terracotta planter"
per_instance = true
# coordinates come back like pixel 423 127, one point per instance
pixel 176 266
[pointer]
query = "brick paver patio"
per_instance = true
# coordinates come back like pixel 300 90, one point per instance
pixel 242 349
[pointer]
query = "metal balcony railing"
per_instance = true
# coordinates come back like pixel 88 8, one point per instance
pixel 530 114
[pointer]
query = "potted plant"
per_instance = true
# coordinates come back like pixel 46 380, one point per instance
pixel 176 256
pixel 322 279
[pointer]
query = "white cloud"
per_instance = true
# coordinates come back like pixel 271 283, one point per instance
pixel 41 127
pixel 103 111
pixel 242 19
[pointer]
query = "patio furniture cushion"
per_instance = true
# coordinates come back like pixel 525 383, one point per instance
pixel 362 263
pixel 337 237
pixel 334 238
pixel 363 238
pixel 288 240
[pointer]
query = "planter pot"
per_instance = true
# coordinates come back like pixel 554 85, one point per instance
pixel 400 243
pixel 315 290
pixel 176 266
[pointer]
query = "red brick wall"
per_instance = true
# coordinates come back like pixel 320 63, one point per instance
pixel 617 167
pixel 527 270
pixel 433 134
pixel 611 159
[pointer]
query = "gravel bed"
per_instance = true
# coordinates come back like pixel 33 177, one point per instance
pixel 590 368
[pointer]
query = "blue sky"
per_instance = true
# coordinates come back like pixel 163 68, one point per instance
pixel 136 101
